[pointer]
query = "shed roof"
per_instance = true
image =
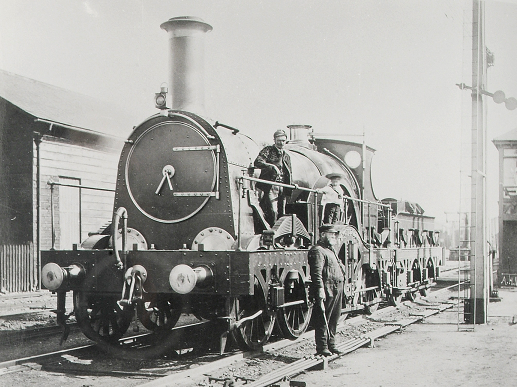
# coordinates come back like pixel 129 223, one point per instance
pixel 507 137
pixel 58 105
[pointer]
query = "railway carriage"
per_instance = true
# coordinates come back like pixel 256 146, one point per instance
pixel 188 234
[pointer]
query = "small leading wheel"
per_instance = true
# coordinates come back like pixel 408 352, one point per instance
pixel 255 321
pixel 395 300
pixel 158 315
pixel 100 318
pixel 372 295
pixel 412 295
pixel 294 320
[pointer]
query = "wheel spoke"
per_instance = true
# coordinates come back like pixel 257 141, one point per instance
pixel 252 334
pixel 158 315
pixel 294 320
pixel 100 317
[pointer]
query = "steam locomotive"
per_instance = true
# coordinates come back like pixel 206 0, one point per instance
pixel 188 234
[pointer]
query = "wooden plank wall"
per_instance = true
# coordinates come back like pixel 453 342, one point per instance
pixel 15 175
pixel 94 168
pixel 18 268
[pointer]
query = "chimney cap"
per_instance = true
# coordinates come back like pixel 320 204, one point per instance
pixel 186 22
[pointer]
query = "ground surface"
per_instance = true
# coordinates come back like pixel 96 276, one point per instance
pixel 435 353
pixel 432 353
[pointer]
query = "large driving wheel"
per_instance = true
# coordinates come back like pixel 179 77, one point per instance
pixel 100 318
pixel 158 315
pixel 255 321
pixel 293 320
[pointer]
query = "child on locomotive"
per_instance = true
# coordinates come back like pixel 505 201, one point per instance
pixel 332 201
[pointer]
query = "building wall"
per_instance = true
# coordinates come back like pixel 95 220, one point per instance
pixel 508 257
pixel 16 210
pixel 81 155
pixel 92 169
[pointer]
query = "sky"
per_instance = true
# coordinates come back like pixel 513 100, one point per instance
pixel 385 68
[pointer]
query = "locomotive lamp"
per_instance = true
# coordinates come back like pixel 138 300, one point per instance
pixel 160 99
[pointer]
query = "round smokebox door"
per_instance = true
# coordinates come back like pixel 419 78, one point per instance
pixel 171 171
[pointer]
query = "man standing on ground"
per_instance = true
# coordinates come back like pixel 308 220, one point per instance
pixel 326 289
pixel 275 165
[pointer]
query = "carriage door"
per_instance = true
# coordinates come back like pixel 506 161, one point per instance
pixel 69 212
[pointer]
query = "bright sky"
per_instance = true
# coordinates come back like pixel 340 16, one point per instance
pixel 387 68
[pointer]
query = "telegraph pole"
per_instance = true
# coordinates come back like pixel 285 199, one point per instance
pixel 480 272
pixel 478 265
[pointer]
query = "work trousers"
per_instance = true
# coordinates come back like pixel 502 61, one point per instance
pixel 324 339
pixel 273 204
pixel 331 213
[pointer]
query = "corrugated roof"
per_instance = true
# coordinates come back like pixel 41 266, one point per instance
pixel 64 106
pixel 508 136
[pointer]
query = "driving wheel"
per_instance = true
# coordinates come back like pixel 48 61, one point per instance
pixel 101 318
pixel 293 320
pixel 254 320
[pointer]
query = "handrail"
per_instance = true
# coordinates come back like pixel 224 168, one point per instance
pixel 315 191
pixel 121 213
pixel 52 183
pixel 296 186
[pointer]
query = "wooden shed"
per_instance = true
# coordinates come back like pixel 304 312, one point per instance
pixel 58 161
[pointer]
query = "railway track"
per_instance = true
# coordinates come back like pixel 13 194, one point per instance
pixel 14 337
pixel 285 372
pixel 87 359
pixel 188 367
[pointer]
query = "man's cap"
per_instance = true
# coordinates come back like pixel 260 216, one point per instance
pixel 334 175
pixel 328 228
pixel 280 132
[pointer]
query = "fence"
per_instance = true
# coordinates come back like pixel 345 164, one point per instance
pixel 18 268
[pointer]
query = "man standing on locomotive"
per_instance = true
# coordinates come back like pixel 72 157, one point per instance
pixel 326 289
pixel 275 165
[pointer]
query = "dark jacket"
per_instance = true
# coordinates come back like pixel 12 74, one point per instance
pixel 271 154
pixel 325 270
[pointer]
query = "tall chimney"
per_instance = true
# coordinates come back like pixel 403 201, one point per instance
pixel 186 62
